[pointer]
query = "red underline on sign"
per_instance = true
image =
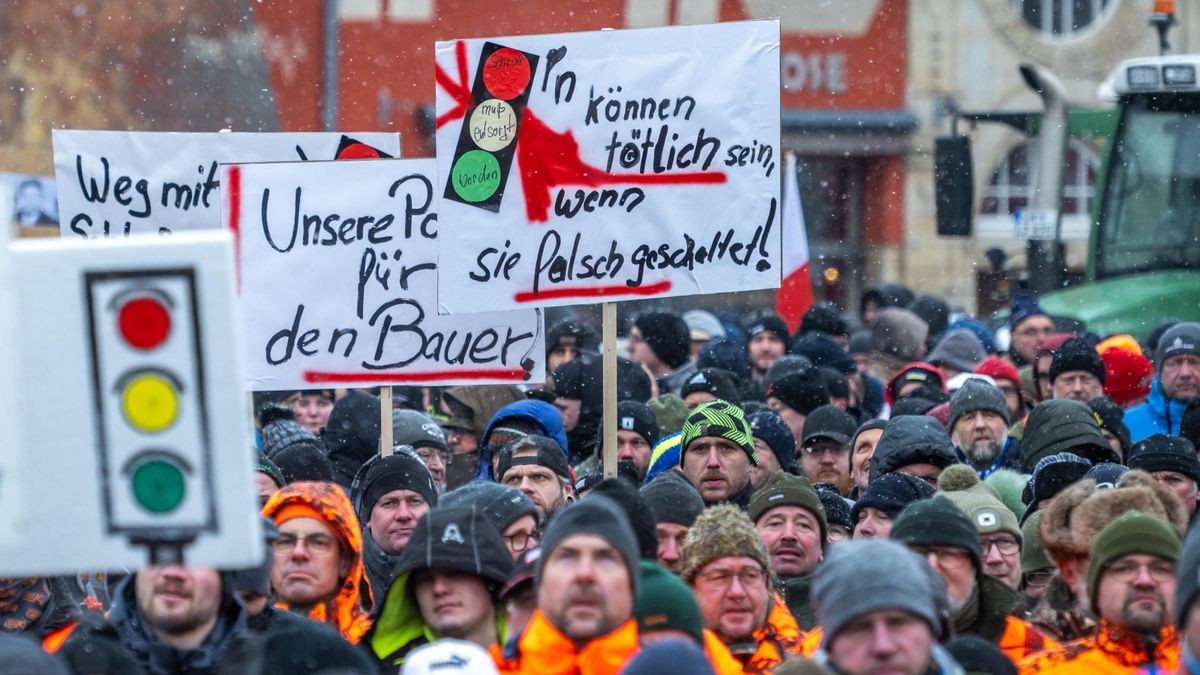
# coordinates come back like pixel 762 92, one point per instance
pixel 327 377
pixel 593 291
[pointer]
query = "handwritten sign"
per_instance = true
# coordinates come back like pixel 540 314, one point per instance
pixel 614 164
pixel 339 282
pixel 113 183
pixel 13 526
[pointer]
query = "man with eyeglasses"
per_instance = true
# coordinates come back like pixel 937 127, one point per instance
pixel 1173 463
pixel 825 452
pixel 1131 586
pixel 1177 382
pixel 727 565
pixel 318 570
pixel 418 431
pixel 390 494
pixel 1037 569
pixel 447 585
pixel 790 518
pixel 939 532
pixel 999 530
pixel 511 512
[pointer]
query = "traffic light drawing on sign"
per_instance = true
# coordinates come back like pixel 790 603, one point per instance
pixel 487 141
pixel 148 388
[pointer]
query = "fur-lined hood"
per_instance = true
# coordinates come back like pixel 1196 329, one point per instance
pixel 1077 514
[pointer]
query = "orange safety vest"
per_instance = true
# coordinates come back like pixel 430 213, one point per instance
pixel 55 639
pixel 1021 640
pixel 723 662
pixel 811 641
pixel 543 650
pixel 1109 652
pixel 777 639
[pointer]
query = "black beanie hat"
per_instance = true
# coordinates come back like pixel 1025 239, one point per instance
pixel 769 427
pixel 1076 354
pixel 1160 452
pixel 715 381
pixel 667 335
pixel 824 318
pixel 938 522
pixel 641 517
pixel 977 655
pixel 1112 418
pixel 269 468
pixel 1062 424
pixel 823 351
pixel 582 335
pixel 402 470
pixel 837 507
pixel 460 538
pixel 501 504
pixel 638 418
pixel 890 493
pixel 598 515
pixel 802 392
pixel 673 499
pixel 768 324
pixel 304 461
pixel 1052 475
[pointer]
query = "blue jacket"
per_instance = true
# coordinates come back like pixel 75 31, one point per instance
pixel 1156 416
pixel 540 413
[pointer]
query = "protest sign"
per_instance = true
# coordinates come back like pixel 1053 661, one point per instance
pixel 339 286
pixel 136 446
pixel 13 530
pixel 609 165
pixel 112 183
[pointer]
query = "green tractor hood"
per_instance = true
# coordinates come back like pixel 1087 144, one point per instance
pixel 1131 304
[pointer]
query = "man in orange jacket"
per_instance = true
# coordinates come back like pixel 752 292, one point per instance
pixel 587 580
pixel 1131 587
pixel 726 564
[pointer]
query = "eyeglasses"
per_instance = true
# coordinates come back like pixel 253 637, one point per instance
pixel 1006 545
pixel 317 544
pixel 520 541
pixel 1038 579
pixel 946 558
pixel 747 576
pixel 427 453
pixel 837 533
pixel 1128 570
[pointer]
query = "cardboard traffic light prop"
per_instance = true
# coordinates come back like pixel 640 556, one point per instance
pixel 488 141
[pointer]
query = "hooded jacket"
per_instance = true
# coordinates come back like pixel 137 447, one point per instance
pixel 928 373
pixel 1158 415
pixel 543 650
pixel 352 435
pixel 158 658
pixel 456 538
pixel 345 610
pixel 540 413
pixel 911 439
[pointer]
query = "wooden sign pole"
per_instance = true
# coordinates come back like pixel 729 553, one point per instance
pixel 385 420
pixel 609 333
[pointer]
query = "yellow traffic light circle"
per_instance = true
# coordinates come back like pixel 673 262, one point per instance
pixel 150 402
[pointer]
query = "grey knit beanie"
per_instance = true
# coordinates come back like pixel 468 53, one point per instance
pixel 596 515
pixel 866 575
pixel 976 394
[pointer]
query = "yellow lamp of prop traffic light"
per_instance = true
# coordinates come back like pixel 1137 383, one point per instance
pixel 150 401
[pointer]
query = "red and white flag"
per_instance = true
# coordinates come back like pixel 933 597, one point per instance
pixel 795 296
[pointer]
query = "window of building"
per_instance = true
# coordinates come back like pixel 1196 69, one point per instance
pixel 1060 17
pixel 1012 185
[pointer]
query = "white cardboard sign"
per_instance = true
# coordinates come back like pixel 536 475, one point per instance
pixel 135 437
pixel 339 286
pixel 121 182
pixel 13 524
pixel 609 165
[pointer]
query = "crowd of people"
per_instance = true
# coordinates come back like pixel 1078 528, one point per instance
pixel 901 490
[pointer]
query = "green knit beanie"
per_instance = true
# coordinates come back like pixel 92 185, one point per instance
pixel 784 489
pixel 722 531
pixel 666 603
pixel 1033 551
pixel 960 484
pixel 720 419
pixel 1131 532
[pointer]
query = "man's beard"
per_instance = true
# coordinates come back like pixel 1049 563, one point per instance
pixel 1146 620
pixel 982 453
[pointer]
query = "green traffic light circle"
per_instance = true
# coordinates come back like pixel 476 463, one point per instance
pixel 158 486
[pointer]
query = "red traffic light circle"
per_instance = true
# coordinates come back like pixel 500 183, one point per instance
pixel 144 322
